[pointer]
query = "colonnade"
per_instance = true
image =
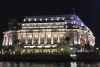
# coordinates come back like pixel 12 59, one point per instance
pixel 46 35
pixel 42 37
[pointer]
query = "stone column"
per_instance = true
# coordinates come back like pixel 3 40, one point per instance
pixel 26 39
pixel 45 40
pixel 32 38
pixel 79 38
pixel 58 38
pixel 75 37
pixel 4 40
pixel 38 38
pixel 19 35
pixel 10 39
pixel 51 38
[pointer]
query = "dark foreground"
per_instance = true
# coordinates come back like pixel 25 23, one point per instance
pixel 48 64
pixel 36 58
pixel 52 58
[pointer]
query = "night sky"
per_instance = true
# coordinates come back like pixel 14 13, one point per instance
pixel 87 10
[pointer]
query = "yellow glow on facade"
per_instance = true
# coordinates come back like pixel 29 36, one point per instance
pixel 40 34
pixel 49 36
pixel 61 35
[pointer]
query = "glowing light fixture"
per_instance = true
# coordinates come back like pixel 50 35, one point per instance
pixel 24 20
pixel 34 19
pixel 57 18
pixel 29 46
pixel 40 19
pixel 63 18
pixel 97 48
pixel 71 48
pixel 42 36
pixel 30 36
pixel 39 46
pixel 47 46
pixel 46 19
pixel 73 55
pixel 29 19
pixel 51 19
pixel 55 35
pixel 62 49
pixel 61 35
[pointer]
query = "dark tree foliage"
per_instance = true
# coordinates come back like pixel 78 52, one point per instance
pixel 87 46
pixel 67 39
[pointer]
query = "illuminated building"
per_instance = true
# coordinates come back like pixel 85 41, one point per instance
pixel 46 33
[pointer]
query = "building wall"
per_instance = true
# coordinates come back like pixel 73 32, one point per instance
pixel 48 30
pixel 47 37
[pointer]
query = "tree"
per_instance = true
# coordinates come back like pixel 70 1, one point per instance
pixel 67 39
pixel 16 42
pixel 17 46
pixel 11 49
pixel 87 47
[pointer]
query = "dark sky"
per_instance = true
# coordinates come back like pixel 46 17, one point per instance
pixel 87 10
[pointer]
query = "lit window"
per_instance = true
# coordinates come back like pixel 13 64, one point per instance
pixel 36 36
pixel 34 19
pixel 55 35
pixel 23 35
pixel 42 36
pixel 46 19
pixel 57 18
pixel 29 19
pixel 29 36
pixel 72 22
pixel 40 19
pixel 51 19
pixel 61 35
pixel 71 18
pixel 24 20
pixel 63 18
pixel 65 22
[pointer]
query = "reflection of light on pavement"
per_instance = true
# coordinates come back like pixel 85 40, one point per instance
pixel 73 64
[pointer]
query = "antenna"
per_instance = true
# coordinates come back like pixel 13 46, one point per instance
pixel 73 10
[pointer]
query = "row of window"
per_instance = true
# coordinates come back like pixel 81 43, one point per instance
pixel 46 19
pixel 41 24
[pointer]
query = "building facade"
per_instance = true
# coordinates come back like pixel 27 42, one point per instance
pixel 46 33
